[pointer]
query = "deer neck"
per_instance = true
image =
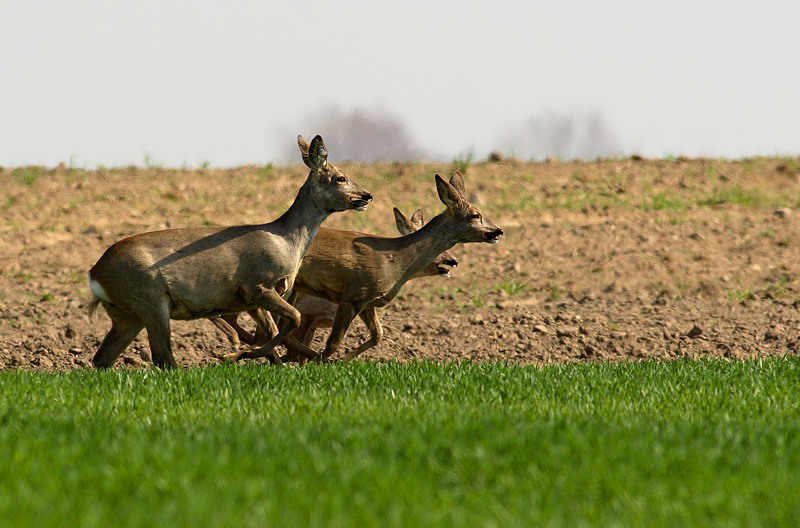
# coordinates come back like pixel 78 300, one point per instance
pixel 421 247
pixel 300 223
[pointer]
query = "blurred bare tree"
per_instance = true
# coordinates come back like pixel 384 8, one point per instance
pixel 577 136
pixel 358 135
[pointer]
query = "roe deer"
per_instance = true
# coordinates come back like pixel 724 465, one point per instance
pixel 316 312
pixel 145 280
pixel 361 272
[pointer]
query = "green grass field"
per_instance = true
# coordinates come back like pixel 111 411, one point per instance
pixel 708 443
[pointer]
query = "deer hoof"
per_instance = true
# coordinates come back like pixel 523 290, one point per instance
pixel 231 358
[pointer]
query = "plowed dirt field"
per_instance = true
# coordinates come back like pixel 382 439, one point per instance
pixel 604 261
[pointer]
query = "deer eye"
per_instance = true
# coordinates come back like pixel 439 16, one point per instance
pixel 341 179
pixel 475 216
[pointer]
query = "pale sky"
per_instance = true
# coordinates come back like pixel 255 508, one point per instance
pixel 105 82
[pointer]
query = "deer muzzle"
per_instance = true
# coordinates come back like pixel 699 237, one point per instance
pixel 361 202
pixel 493 237
pixel 443 268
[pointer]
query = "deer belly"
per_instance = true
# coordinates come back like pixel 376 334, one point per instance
pixel 196 308
pixel 185 313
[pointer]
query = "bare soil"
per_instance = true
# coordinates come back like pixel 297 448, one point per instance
pixel 611 260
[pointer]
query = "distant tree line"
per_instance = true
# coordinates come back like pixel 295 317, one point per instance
pixel 376 135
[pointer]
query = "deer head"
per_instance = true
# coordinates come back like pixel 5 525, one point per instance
pixel 470 224
pixel 333 191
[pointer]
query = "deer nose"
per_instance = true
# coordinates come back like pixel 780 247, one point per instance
pixel 367 196
pixel 453 263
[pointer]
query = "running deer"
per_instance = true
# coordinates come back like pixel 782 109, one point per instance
pixel 318 312
pixel 361 272
pixel 145 280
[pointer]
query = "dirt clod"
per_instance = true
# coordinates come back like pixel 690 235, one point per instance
pixel 567 331
pixel 695 331
pixel 540 329
pixel 782 212
pixel 773 334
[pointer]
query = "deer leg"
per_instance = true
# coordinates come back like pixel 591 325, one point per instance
pixel 370 318
pixel 243 335
pixel 297 348
pixel 300 333
pixel 226 328
pixel 228 325
pixel 308 338
pixel 271 301
pixel 124 329
pixel 345 314
pixel 294 346
pixel 266 325
pixel 290 342
pixel 291 356
pixel 158 332
pixel 266 328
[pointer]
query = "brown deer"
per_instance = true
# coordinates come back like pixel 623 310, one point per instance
pixel 318 312
pixel 362 272
pixel 145 280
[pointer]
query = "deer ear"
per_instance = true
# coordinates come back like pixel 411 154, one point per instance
pixel 303 144
pixel 447 193
pixel 404 225
pixel 417 219
pixel 316 156
pixel 457 181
